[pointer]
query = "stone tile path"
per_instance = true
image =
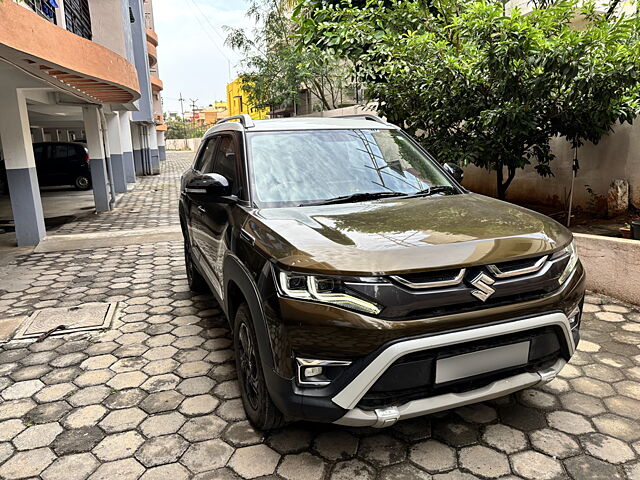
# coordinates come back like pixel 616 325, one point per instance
pixel 152 203
pixel 155 397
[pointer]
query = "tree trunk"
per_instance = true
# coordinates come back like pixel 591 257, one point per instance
pixel 502 184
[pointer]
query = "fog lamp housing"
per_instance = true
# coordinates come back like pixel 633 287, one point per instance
pixel 318 373
pixel 574 317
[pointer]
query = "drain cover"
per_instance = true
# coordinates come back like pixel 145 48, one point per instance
pixel 81 318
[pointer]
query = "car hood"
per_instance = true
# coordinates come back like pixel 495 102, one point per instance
pixel 403 235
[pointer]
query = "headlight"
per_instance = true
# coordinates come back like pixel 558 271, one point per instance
pixel 571 264
pixel 324 290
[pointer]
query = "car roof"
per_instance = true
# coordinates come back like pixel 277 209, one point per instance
pixel 304 123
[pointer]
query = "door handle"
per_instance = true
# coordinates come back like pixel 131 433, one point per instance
pixel 202 209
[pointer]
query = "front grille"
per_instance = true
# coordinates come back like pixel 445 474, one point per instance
pixel 457 290
pixel 412 376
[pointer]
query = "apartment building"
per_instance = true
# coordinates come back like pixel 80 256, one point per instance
pixel 83 71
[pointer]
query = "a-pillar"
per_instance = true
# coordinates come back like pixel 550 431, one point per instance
pixel 153 149
pixel 115 153
pixel 137 149
pixel 127 146
pixel 22 177
pixel 162 153
pixel 97 162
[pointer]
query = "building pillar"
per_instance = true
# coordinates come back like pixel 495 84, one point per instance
pixel 153 150
pixel 67 137
pixel 20 164
pixel 38 135
pixel 97 156
pixel 127 146
pixel 162 152
pixel 138 158
pixel 115 153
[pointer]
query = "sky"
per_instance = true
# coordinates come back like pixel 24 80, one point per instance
pixel 192 58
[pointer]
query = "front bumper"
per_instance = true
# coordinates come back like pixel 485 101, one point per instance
pixel 342 402
pixel 384 417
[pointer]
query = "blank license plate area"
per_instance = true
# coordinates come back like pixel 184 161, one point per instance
pixel 482 361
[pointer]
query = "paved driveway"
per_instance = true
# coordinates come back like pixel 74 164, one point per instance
pixel 156 396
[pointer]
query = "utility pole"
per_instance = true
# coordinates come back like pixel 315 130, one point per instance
pixel 193 114
pixel 181 100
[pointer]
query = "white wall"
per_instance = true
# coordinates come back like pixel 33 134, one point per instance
pixel 617 156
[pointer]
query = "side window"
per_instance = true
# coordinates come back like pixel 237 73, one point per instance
pixel 205 159
pixel 59 152
pixel 225 161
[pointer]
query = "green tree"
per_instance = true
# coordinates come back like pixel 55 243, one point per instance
pixel 482 86
pixel 275 68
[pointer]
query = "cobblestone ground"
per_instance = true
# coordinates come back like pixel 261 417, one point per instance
pixel 155 396
pixel 152 203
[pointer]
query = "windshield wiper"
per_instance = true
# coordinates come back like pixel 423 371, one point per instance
pixel 354 197
pixel 427 192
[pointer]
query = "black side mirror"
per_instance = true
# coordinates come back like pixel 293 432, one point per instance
pixel 454 170
pixel 208 186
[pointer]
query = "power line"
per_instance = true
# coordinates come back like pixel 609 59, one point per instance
pixel 206 31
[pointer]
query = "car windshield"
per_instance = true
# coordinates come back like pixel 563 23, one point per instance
pixel 313 166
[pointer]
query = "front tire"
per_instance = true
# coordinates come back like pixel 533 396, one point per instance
pixel 260 409
pixel 196 281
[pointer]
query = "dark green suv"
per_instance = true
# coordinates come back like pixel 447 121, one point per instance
pixel 362 282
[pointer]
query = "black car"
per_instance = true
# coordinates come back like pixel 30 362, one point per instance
pixel 62 163
pixel 57 163
pixel 362 282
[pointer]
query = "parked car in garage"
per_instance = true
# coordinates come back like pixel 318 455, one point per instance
pixel 57 163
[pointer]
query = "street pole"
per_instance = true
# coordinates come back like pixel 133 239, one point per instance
pixel 193 116
pixel 184 127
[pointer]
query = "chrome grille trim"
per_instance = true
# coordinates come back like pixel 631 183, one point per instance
pixel 498 273
pixel 436 284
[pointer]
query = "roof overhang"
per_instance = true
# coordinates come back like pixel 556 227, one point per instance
pixel 65 60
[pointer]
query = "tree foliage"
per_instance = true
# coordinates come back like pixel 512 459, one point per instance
pixel 485 86
pixel 275 68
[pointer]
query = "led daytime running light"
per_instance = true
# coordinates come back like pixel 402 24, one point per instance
pixel 334 298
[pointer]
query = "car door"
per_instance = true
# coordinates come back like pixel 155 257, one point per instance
pixel 215 216
pixel 58 166
pixel 203 164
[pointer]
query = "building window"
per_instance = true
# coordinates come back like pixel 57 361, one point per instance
pixel 44 8
pixel 78 19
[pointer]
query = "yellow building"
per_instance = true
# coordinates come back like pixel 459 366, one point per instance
pixel 238 102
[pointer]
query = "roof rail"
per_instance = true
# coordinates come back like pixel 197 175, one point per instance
pixel 245 119
pixel 366 116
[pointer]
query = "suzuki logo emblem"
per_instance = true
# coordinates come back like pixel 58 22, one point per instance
pixel 483 284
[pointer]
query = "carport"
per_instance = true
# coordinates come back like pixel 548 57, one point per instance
pixel 48 92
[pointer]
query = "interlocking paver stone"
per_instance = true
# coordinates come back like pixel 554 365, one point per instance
pixel 121 420
pixel 536 466
pixel 27 464
pixel 484 461
pixel 22 389
pixel 127 469
pixel 71 467
pixel 554 443
pixel 162 424
pixel 162 450
pixel 122 392
pixel 37 436
pixel 120 445
pixel 433 456
pixel 254 461
pixel 207 455
pixel 607 448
